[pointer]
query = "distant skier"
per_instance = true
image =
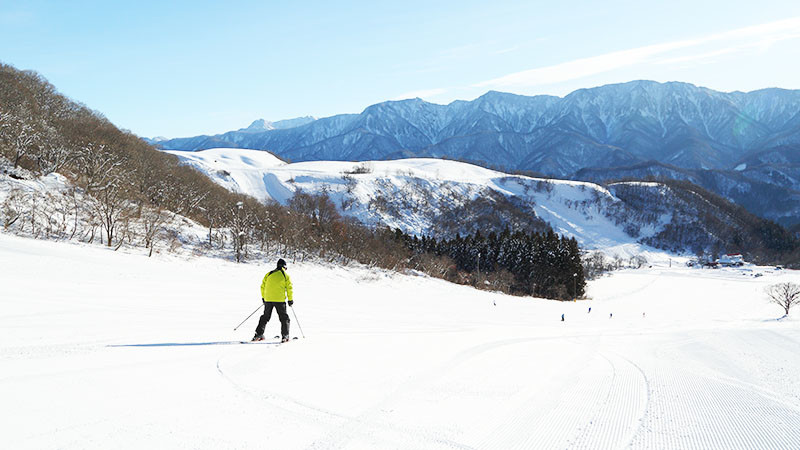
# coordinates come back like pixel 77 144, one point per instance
pixel 275 289
pixel 562 317
pixel 610 315
pixel 590 309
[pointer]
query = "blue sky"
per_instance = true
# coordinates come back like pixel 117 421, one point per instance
pixel 184 68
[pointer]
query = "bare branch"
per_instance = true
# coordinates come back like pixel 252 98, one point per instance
pixel 784 295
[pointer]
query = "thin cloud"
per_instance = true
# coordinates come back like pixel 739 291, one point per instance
pixel 760 44
pixel 507 50
pixel 763 34
pixel 462 51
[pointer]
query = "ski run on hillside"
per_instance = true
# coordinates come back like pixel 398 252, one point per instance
pixel 104 349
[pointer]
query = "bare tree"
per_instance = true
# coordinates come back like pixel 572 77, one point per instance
pixel 318 207
pixel 19 134
pixel 784 295
pixel 112 206
pixel 153 220
pixel 241 224
pixel 264 227
pixel 52 154
pixel 12 208
pixel 5 132
pixel 637 261
pixel 210 215
pixel 97 164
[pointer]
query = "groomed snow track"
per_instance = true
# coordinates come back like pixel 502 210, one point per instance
pixel 105 349
pixel 596 395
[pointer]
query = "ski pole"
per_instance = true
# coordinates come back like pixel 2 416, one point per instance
pixel 245 320
pixel 298 322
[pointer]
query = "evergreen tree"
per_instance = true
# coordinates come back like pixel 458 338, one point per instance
pixel 542 264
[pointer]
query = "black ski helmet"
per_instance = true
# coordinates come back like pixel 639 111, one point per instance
pixel 281 263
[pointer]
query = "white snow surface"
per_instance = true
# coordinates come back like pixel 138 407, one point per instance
pixel 104 349
pixel 425 185
pixel 237 170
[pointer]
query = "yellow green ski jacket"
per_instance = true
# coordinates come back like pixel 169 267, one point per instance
pixel 276 287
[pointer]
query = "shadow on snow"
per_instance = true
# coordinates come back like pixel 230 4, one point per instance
pixel 189 344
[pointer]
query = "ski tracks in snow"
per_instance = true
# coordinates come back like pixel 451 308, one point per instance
pixel 612 404
pixel 690 410
pixel 695 405
pixel 601 392
pixel 600 404
pixel 288 407
pixel 366 429
pixel 619 415
pixel 379 427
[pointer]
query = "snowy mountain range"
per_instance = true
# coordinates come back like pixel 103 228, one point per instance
pixel 609 126
pixel 435 197
pixel 613 126
pixel 261 125
pixel 258 126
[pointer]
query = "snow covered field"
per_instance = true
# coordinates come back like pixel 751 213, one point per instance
pixel 102 349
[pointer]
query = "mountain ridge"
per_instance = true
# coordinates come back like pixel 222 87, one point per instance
pixel 675 122
pixel 604 127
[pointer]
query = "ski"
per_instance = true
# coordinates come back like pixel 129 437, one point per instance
pixel 277 342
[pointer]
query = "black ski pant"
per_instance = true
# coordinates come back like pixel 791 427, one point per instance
pixel 282 315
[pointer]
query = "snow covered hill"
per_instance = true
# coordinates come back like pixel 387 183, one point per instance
pixel 105 349
pixel 434 197
pixel 769 189
pixel 411 193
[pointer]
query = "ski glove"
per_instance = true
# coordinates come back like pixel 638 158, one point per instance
pixel 291 302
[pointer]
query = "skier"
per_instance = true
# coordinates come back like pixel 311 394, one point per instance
pixel 590 309
pixel 562 317
pixel 275 289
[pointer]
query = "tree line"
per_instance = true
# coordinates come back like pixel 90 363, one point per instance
pixel 541 264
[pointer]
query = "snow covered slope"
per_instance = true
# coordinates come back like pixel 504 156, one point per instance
pixel 766 189
pixel 242 171
pixel 410 193
pixel 103 349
